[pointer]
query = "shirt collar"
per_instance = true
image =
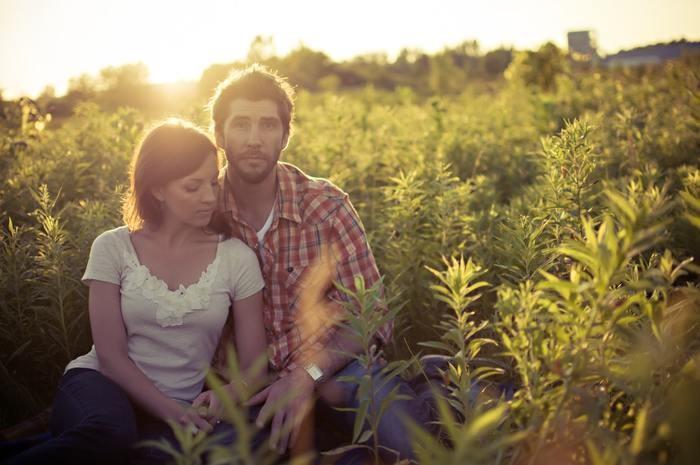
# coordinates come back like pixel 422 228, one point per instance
pixel 287 200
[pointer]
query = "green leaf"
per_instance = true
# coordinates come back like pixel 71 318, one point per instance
pixel 486 421
pixel 640 430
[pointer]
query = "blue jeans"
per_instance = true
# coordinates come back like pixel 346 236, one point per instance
pixel 93 421
pixel 392 432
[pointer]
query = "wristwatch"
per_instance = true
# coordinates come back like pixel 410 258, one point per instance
pixel 314 371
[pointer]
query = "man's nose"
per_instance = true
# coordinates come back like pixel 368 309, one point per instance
pixel 254 136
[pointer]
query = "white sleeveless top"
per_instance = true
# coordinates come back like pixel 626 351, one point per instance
pixel 171 335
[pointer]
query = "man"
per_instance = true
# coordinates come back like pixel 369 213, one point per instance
pixel 290 219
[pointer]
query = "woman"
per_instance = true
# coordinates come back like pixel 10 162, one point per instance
pixel 160 291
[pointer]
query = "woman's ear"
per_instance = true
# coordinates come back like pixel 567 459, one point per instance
pixel 219 140
pixel 157 192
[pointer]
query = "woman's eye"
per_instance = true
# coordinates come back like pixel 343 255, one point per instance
pixel 191 189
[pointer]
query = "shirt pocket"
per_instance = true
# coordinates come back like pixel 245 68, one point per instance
pixel 294 276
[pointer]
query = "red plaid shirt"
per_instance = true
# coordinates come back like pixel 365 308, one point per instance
pixel 309 213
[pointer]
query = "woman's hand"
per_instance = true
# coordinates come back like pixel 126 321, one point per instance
pixel 186 416
pixel 194 422
pixel 212 403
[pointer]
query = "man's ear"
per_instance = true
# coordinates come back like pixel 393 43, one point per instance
pixel 219 140
pixel 285 140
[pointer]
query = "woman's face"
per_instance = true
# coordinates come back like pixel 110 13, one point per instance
pixel 191 200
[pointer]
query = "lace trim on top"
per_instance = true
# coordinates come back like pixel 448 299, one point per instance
pixel 171 306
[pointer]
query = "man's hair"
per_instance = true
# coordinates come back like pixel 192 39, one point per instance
pixel 256 82
pixel 170 150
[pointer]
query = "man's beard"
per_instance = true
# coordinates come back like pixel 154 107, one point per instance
pixel 255 177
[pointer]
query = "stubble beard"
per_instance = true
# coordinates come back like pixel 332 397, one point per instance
pixel 249 177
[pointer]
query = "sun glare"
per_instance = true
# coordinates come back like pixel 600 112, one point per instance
pixel 46 42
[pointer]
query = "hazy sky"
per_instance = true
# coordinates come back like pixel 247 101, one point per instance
pixel 46 42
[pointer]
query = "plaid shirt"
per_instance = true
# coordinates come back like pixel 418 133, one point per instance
pixel 309 213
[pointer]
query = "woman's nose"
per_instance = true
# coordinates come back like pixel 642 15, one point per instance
pixel 210 195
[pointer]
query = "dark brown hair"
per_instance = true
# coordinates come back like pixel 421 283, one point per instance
pixel 169 151
pixel 255 82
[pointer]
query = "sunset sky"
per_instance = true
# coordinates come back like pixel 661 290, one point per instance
pixel 46 42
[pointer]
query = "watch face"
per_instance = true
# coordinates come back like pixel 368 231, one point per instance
pixel 314 371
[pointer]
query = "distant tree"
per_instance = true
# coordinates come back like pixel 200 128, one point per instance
pixel 407 70
pixel 497 61
pixel 262 49
pixel 46 98
pixel 82 87
pixel 445 76
pixel 126 85
pixel 540 68
pixel 212 76
pixel 466 56
pixel 305 66
pixel 373 68
pixel 124 76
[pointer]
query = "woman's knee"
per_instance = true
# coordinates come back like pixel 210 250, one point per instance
pixel 115 433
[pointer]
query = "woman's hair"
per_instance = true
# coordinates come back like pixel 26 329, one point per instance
pixel 171 150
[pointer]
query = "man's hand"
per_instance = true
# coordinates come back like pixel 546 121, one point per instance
pixel 290 398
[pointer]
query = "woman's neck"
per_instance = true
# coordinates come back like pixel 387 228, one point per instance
pixel 173 235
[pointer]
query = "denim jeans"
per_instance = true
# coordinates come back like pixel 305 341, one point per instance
pixel 392 431
pixel 93 421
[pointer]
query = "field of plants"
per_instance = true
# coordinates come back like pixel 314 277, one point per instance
pixel 545 237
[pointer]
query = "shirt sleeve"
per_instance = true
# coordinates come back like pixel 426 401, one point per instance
pixel 105 259
pixel 355 257
pixel 246 278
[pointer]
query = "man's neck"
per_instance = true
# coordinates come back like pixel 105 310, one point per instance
pixel 254 201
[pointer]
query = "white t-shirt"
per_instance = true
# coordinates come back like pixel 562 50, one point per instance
pixel 265 228
pixel 171 335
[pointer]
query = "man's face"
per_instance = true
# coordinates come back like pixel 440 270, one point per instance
pixel 253 138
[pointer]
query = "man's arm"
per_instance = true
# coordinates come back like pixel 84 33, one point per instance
pixel 330 347
pixel 347 256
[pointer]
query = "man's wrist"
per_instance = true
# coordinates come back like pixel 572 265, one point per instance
pixel 314 371
pixel 304 374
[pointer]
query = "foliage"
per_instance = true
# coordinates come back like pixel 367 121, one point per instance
pixel 577 195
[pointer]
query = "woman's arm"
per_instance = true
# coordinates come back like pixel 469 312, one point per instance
pixel 109 337
pixel 251 345
pixel 251 341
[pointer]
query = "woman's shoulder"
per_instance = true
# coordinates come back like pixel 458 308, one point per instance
pixel 236 248
pixel 112 238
